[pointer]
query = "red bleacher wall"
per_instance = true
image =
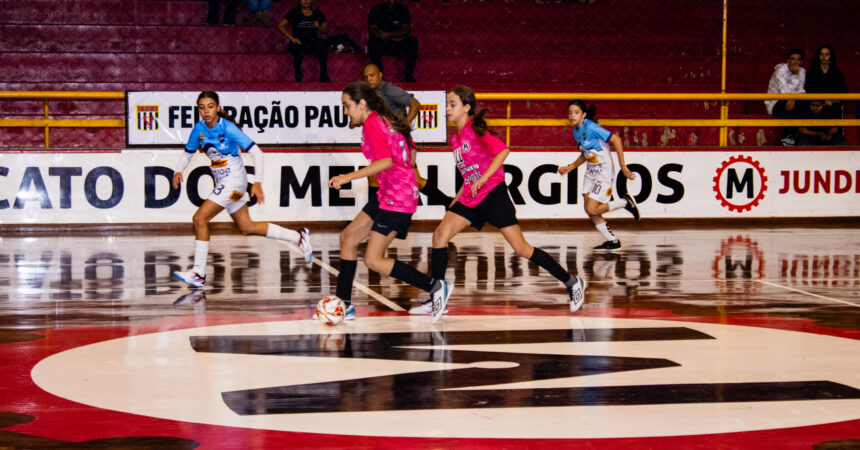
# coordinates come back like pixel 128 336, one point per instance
pixel 493 46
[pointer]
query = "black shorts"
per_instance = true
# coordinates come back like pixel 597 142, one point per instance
pixel 496 208
pixel 384 222
pixel 372 205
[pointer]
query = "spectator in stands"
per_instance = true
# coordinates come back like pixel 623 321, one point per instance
pixel 260 8
pixel 229 12
pixel 389 28
pixel 403 105
pixel 821 135
pixel 306 21
pixel 787 78
pixel 824 77
pixel 398 101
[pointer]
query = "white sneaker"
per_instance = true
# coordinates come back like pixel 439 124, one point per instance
pixel 190 277
pixel 425 308
pixel 577 294
pixel 439 296
pixel 305 245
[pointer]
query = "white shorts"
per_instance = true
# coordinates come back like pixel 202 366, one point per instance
pixel 598 188
pixel 230 196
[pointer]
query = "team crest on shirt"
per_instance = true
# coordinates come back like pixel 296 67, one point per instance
pixel 147 117
pixel 428 116
pixel 465 147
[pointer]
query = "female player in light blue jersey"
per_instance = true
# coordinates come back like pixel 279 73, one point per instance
pixel 599 176
pixel 219 137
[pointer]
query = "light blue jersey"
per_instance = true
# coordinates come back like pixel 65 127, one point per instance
pixel 221 144
pixel 226 137
pixel 593 143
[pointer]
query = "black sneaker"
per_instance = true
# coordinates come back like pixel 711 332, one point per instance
pixel 608 246
pixel 631 206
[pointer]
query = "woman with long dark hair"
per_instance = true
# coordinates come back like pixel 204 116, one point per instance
pixel 221 140
pixel 387 144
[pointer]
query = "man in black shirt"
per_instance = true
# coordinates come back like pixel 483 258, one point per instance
pixel 389 27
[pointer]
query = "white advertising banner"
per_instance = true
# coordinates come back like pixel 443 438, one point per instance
pixel 133 186
pixel 166 118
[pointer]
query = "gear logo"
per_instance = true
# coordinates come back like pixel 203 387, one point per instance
pixel 736 185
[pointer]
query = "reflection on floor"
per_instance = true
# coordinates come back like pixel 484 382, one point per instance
pixel 60 293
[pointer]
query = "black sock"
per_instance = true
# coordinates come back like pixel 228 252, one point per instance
pixel 344 279
pixel 435 196
pixel 552 266
pixel 439 263
pixel 405 272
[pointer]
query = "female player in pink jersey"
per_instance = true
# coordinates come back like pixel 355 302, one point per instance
pixel 599 176
pixel 484 197
pixel 387 143
pixel 219 137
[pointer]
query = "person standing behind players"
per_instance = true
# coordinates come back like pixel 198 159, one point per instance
pixel 593 141
pixel 386 142
pixel 221 139
pixel 389 26
pixel 484 197
pixel 306 20
pixel 405 105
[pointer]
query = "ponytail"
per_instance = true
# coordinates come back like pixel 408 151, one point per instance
pixel 467 96
pixel 359 90
pixel 589 110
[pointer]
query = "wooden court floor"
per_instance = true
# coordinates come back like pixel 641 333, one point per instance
pixel 734 337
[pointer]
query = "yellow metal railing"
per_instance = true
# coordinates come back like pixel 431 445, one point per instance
pixel 723 123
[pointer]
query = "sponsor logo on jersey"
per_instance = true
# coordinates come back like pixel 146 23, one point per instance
pixel 219 163
pixel 236 196
pixel 147 117
pixel 428 117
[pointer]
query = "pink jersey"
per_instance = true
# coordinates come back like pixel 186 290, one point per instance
pixel 398 189
pixel 473 155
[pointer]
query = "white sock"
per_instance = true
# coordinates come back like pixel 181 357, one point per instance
pixel 603 228
pixel 282 234
pixel 617 204
pixel 201 253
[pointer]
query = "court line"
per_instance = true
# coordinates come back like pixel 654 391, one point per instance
pixel 808 293
pixel 358 285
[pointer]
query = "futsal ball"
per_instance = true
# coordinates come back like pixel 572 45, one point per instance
pixel 331 310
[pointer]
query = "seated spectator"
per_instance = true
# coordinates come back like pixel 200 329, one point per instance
pixel 819 135
pixel 787 78
pixel 229 12
pixel 389 27
pixel 260 8
pixel 824 77
pixel 306 20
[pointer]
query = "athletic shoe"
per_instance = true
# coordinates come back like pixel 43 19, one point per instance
pixel 787 141
pixel 576 292
pixel 439 296
pixel 631 206
pixel 305 245
pixel 425 309
pixel 608 246
pixel 190 277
